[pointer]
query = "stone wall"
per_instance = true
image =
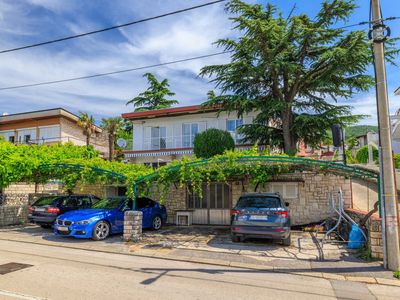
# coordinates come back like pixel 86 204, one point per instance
pixel 311 205
pixel 17 197
pixel 18 193
pixel 374 231
pixel 13 215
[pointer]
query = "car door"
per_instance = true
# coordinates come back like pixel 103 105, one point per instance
pixel 118 217
pixel 145 205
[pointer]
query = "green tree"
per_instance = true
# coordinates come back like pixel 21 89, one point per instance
pixel 362 154
pixel 87 123
pixel 155 95
pixel 291 70
pixel 212 142
pixel 112 126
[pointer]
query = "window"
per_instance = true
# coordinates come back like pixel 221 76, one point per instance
pixel 27 138
pixel 288 190
pixel 49 134
pixel 189 131
pixel 70 202
pixel 26 135
pixel 8 135
pixel 158 138
pixel 258 202
pixel 233 125
pixel 144 203
pixel 84 202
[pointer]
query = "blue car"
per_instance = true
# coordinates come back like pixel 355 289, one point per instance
pixel 107 217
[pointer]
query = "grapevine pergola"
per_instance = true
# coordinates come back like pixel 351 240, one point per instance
pixel 73 168
pixel 319 166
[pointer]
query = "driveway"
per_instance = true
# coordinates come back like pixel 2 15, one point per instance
pixel 213 245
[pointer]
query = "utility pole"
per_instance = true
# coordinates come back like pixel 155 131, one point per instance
pixel 390 218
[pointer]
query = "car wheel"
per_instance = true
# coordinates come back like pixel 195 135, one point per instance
pixel 235 238
pixel 101 231
pixel 156 224
pixel 287 241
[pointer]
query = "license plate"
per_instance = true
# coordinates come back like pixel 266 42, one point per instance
pixel 62 228
pixel 259 218
pixel 40 209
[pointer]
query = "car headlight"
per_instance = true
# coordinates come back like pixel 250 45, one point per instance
pixel 83 222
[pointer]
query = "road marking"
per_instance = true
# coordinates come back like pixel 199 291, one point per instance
pixel 19 296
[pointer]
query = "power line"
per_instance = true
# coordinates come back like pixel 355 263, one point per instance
pixel 112 27
pixel 112 73
pixel 368 22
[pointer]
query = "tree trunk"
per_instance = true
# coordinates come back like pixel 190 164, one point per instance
pixel 111 141
pixel 87 140
pixel 289 140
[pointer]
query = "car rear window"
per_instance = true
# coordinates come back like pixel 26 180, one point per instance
pixel 258 202
pixel 45 201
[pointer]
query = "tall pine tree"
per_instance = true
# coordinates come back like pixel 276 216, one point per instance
pixel 291 70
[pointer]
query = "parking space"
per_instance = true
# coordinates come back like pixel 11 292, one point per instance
pixel 213 244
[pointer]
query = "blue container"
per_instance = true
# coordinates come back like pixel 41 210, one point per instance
pixel 356 238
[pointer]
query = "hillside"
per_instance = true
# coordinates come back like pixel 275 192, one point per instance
pixel 353 131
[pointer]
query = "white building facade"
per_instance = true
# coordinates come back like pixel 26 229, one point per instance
pixel 164 135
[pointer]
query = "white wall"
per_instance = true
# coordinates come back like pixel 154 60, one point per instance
pixel 142 128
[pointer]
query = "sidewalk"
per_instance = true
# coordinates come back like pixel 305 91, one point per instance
pixel 213 246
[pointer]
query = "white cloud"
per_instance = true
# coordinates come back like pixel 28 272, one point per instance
pixel 366 105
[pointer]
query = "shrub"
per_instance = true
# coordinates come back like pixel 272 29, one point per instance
pixel 362 154
pixel 397 161
pixel 212 142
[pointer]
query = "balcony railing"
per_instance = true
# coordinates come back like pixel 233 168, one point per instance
pixel 54 140
pixel 176 142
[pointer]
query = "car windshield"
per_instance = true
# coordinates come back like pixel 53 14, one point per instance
pixel 109 203
pixel 45 201
pixel 259 202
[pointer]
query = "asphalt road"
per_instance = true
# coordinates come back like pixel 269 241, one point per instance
pixel 48 272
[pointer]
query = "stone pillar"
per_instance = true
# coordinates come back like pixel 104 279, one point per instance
pixel 133 226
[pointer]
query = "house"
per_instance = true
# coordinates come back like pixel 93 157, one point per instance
pixel 395 122
pixel 47 127
pixel 368 138
pixel 160 136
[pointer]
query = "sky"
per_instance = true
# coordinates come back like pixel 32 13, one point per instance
pixel 175 37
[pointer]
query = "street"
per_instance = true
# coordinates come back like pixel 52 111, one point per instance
pixel 61 273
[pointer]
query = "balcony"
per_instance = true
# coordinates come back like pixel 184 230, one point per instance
pixel 174 145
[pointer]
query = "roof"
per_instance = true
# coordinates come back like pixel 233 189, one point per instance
pixel 397 91
pixel 40 114
pixel 167 112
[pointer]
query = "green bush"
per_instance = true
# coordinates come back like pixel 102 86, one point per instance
pixel 397 161
pixel 362 154
pixel 212 142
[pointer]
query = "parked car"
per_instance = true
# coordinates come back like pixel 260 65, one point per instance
pixel 46 209
pixel 260 215
pixel 107 217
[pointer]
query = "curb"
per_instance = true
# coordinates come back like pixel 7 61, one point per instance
pixel 221 263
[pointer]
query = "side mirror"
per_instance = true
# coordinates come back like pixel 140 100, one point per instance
pixel 287 203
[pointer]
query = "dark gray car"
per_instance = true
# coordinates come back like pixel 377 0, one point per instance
pixel 260 215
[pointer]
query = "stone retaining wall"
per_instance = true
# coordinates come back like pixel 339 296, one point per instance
pixel 13 215
pixel 311 205
pixel 374 231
